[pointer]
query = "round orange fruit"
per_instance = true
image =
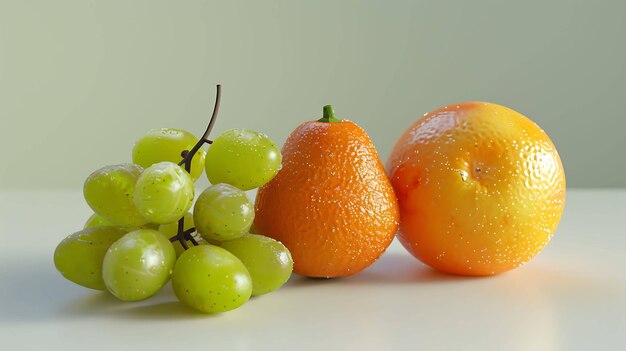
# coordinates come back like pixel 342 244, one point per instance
pixel 331 204
pixel 481 188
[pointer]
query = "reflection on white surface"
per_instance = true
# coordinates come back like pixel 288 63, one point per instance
pixel 569 297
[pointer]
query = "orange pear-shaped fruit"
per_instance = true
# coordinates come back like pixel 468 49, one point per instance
pixel 331 204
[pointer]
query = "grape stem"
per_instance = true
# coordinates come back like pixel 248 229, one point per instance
pixel 183 235
pixel 187 235
pixel 205 137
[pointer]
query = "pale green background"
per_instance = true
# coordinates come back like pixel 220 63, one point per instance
pixel 81 80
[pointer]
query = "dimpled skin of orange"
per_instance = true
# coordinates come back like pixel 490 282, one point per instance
pixel 481 188
pixel 331 204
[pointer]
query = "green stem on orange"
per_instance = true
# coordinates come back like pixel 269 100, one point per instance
pixel 329 115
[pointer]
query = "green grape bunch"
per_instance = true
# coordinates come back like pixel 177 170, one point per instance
pixel 146 230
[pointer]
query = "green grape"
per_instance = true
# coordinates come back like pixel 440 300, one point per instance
pixel 109 192
pixel 154 226
pixel 96 221
pixel 222 212
pixel 211 279
pixel 166 144
pixel 164 192
pixel 243 158
pixel 79 256
pixel 268 261
pixel 171 229
pixel 136 266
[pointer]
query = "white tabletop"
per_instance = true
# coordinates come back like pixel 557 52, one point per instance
pixel 571 297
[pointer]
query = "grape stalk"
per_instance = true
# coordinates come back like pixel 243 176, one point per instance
pixel 182 235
